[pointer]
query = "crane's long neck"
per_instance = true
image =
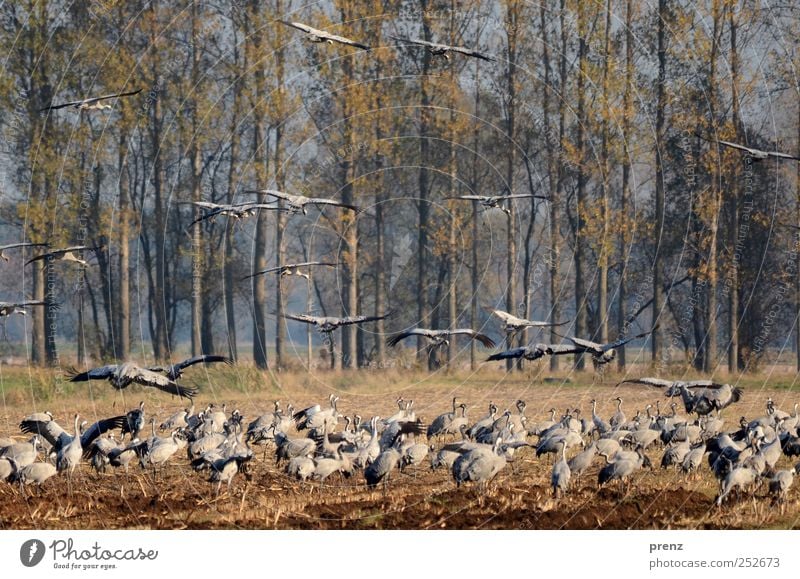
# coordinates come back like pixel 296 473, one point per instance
pixel 77 428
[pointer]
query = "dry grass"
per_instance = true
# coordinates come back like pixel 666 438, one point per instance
pixel 266 498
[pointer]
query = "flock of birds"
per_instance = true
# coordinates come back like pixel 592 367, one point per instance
pixel 310 447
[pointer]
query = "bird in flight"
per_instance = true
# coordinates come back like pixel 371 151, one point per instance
pixel 444 50
pixel 122 375
pixel 8 308
pixel 291 269
pixel 16 245
pixel 298 203
pixel 329 324
pixel 90 104
pixel 439 337
pixel 527 352
pixel 513 324
pixel 700 396
pixel 237 211
pixel 315 35
pixel 495 201
pixel 175 371
pixel 755 154
pixel 66 254
pixel 601 353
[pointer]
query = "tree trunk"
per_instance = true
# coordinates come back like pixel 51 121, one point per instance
pixel 658 291
pixel 627 118
pixel 602 256
pixel 580 289
pixel 260 155
pixel 423 311
pixel 512 27
pixel 122 350
pixel 736 189
pixel 228 262
pixel 198 265
pixel 712 307
pixel 556 185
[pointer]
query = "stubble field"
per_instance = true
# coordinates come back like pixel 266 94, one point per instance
pixel 418 498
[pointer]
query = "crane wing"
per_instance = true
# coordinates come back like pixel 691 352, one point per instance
pixel 656 382
pixel 47 429
pixel 470 52
pixel 342 40
pixel 89 100
pixel 16 245
pixel 469 197
pixel 780 155
pixel 482 338
pixel 205 359
pixel 586 345
pixel 513 353
pixel 317 201
pixel 397 338
pixel 623 341
pixel 98 429
pixel 149 378
pixel 102 373
pixel 361 319
pixel 302 318
pixel 561 349
pixel 525 196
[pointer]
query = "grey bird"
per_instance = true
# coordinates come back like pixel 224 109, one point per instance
pixel 513 324
pixel 620 467
pixel 581 462
pixel 740 477
pixel 444 50
pixel 752 152
pixel 561 475
pixel 699 396
pixel 69 456
pixel 178 420
pixel 90 104
pixel 9 308
pixel 122 375
pixel 316 36
pixel 440 337
pixel 43 425
pixel 379 469
pixel 440 425
pixel 23 453
pixel 175 371
pixel 601 353
pixel 300 467
pixel 480 465
pixel 291 269
pixel 329 323
pixel 237 211
pixel 779 486
pixel 35 473
pixel 69 254
pixel 533 352
pixel 299 203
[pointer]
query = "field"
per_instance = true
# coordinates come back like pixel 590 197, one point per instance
pixel 519 498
